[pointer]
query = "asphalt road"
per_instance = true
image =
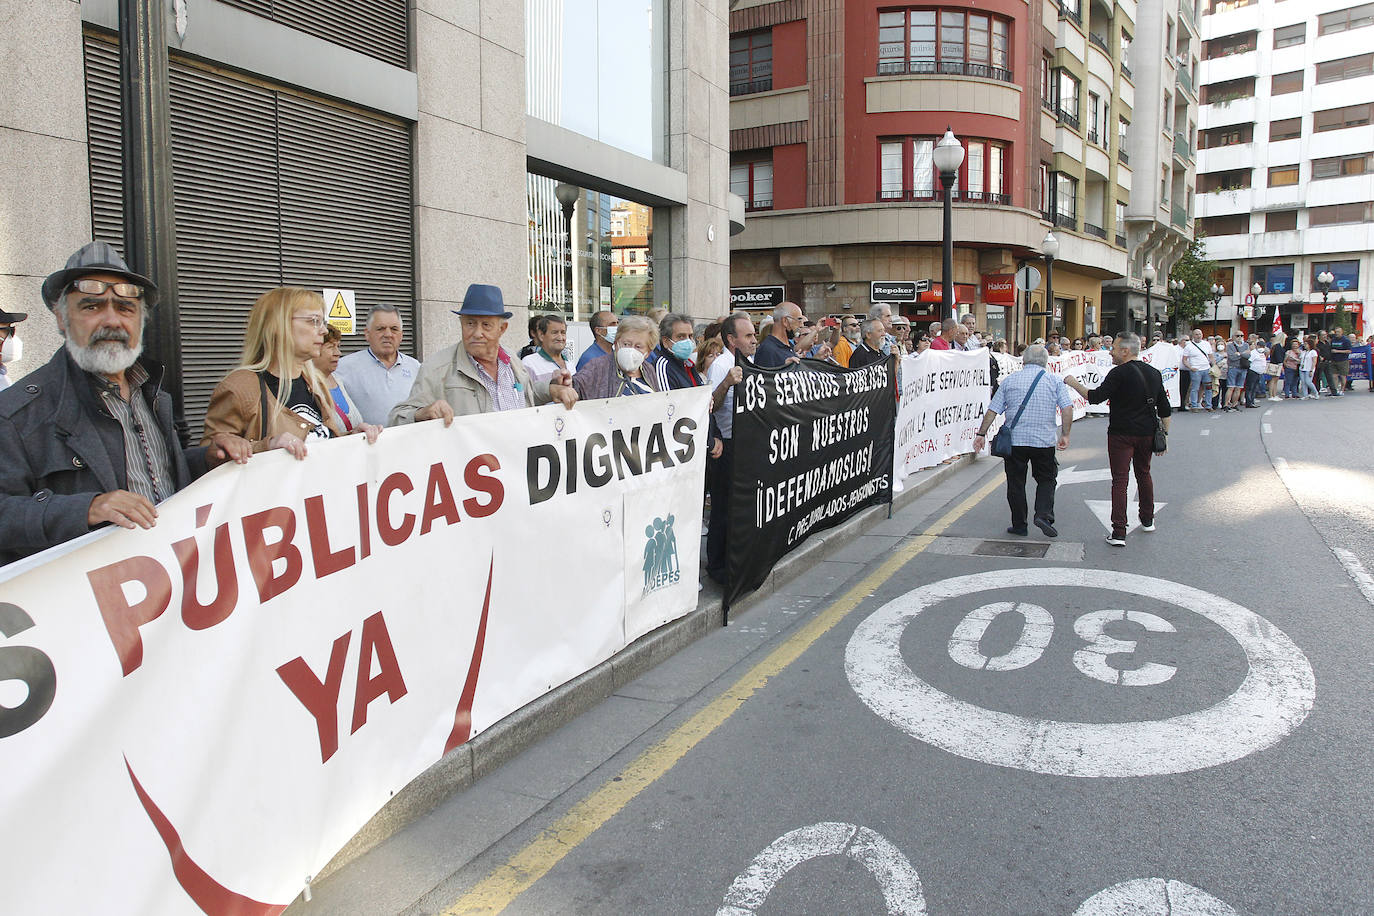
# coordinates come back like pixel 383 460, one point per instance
pixel 929 725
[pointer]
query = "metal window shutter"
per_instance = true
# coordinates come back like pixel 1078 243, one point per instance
pixel 377 28
pixel 346 216
pixel 270 189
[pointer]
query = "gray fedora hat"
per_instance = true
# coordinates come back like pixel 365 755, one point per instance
pixel 94 258
pixel 485 300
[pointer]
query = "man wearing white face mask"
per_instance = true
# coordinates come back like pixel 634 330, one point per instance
pixel 9 343
pixel 603 325
pixel 672 360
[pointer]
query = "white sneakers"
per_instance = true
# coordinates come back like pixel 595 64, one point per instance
pixel 1149 527
pixel 1116 541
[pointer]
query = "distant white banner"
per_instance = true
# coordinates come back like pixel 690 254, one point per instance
pixel 198 716
pixel 944 394
pixel 1091 366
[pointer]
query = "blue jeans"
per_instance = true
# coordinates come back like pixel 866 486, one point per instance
pixel 1195 378
pixel 1306 386
pixel 1290 382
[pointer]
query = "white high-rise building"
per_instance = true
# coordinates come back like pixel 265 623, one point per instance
pixel 1286 159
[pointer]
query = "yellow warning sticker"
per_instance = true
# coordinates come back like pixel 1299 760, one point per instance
pixel 341 309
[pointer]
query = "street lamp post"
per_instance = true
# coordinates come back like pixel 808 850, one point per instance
pixel 1324 280
pixel 1148 275
pixel 1255 290
pixel 1050 249
pixel 567 195
pixel 949 155
pixel 1176 288
pixel 1217 292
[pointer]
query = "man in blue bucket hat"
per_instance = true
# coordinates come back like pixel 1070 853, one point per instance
pixel 478 375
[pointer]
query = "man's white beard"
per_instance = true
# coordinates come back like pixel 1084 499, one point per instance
pixel 110 356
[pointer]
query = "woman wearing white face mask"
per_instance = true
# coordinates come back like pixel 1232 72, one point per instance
pixel 9 344
pixel 622 372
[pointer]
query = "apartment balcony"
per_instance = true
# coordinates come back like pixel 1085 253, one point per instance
pixel 1224 112
pixel 1067 119
pixel 1098 231
pixel 1066 12
pixel 1100 64
pixel 1185 81
pixel 964 197
pixel 943 68
pixel 1122 156
pixel 1226 202
pixel 1183 151
pixel 1227 158
pixel 1099 41
pixel 1126 72
pixel 1065 221
pixel 1120 240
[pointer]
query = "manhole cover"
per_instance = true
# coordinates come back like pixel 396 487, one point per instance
pixel 1030 549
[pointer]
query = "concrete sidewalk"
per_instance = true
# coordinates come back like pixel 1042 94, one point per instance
pixel 600 694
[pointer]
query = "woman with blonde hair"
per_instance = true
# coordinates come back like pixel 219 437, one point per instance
pixel 277 398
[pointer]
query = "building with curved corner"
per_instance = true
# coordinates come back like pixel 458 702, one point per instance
pixel 835 108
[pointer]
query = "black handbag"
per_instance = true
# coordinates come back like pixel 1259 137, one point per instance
pixel 1161 441
pixel 1000 447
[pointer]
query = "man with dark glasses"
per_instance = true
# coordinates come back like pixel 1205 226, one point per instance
pixel 87 439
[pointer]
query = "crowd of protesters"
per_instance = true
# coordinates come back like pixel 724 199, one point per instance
pixel 88 438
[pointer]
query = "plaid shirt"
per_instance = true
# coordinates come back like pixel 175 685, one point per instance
pixel 505 393
pixel 1036 428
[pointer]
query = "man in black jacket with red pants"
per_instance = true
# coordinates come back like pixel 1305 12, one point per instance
pixel 1130 387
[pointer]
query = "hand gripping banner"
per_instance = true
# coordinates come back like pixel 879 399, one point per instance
pixel 813 445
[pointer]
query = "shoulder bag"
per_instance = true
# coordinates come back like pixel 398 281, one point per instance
pixel 1000 446
pixel 1161 443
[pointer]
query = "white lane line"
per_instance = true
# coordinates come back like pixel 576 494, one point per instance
pixel 1206 432
pixel 1363 580
pixel 1281 465
pixel 1268 429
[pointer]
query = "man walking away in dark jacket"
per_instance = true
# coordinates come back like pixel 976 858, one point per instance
pixel 1129 386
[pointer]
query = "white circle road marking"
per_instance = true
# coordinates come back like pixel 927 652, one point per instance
pixel 1275 696
pixel 1153 897
pixel 896 877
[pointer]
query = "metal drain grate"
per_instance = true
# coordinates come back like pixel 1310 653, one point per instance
pixel 1025 549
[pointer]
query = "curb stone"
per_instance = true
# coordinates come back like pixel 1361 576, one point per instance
pixel 464 765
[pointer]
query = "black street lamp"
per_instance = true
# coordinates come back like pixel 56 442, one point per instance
pixel 1148 275
pixel 1050 249
pixel 1324 280
pixel 1217 292
pixel 567 195
pixel 949 155
pixel 1176 288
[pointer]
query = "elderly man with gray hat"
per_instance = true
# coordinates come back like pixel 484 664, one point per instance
pixel 87 439
pixel 477 375
pixel 1030 398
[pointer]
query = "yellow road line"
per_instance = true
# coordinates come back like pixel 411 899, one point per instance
pixel 499 889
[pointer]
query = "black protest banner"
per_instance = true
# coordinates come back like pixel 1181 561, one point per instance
pixel 813 445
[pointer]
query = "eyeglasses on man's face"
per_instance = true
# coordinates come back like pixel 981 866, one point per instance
pixel 92 287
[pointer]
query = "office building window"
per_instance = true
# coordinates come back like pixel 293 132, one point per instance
pixel 1347 68
pixel 1283 83
pixel 1338 214
pixel 1066 101
pixel 752 179
pixel 1286 129
pixel 1065 199
pixel 751 62
pixel 1273 278
pixel 1280 220
pixel 1355 17
pixel 1212 226
pixel 1094 116
pixel 1347 274
pixel 1340 166
pixel 1337 118
pixel 907 170
pixel 1288 35
pixel 955 42
pixel 1283 175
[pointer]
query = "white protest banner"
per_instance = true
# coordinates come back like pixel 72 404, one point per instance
pixel 196 717
pixel 944 395
pixel 1164 357
pixel 1088 366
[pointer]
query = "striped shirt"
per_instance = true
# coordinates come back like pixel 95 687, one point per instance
pixel 147 465
pixel 505 392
